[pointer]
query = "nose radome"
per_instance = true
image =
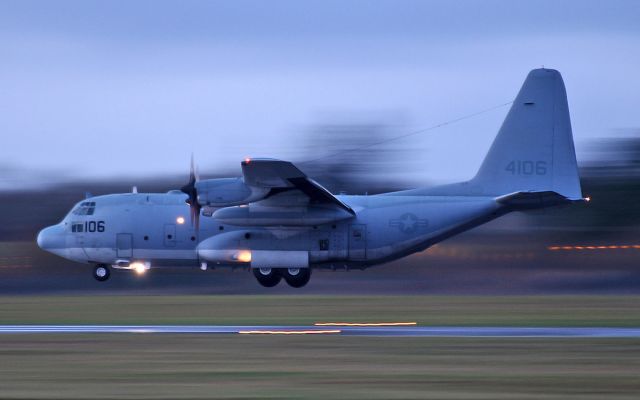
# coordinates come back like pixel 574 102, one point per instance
pixel 50 238
pixel 42 238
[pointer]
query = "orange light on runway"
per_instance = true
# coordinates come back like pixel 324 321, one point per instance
pixel 365 324
pixel 285 332
pixel 607 247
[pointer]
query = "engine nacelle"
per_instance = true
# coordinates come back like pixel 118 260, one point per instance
pixel 225 192
pixel 250 249
pixel 279 216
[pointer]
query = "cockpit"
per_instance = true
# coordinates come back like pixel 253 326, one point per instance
pixel 85 208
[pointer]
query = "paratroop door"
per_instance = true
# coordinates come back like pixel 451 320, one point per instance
pixel 124 245
pixel 358 242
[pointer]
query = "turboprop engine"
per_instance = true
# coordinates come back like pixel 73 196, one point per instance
pixel 269 193
pixel 266 215
pixel 226 192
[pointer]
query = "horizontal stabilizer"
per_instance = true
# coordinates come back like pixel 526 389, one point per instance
pixel 532 200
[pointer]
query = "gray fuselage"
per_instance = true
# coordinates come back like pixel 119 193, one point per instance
pixel 154 228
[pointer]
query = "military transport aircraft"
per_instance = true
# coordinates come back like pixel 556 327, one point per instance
pixel 281 224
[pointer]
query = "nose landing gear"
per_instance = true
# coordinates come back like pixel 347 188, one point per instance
pixel 101 272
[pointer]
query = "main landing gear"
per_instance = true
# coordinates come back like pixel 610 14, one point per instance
pixel 267 277
pixel 270 277
pixel 101 272
pixel 297 277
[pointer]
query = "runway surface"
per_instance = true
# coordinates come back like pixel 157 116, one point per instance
pixel 410 331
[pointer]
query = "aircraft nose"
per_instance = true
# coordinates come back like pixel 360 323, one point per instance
pixel 51 238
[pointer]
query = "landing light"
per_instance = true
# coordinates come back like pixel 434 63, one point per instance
pixel 244 256
pixel 139 267
pixel 180 220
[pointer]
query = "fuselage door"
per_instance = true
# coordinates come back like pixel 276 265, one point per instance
pixel 124 245
pixel 170 235
pixel 79 240
pixel 358 242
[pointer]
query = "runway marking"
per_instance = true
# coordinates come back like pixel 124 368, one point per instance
pixel 389 331
pixel 285 332
pixel 366 324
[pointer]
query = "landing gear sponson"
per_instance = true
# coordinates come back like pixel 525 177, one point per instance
pixel 270 277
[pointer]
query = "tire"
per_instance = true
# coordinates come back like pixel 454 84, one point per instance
pixel 297 277
pixel 101 272
pixel 267 277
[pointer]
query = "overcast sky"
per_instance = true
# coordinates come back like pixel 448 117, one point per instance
pixel 108 88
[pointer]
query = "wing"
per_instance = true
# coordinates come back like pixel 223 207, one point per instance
pixel 282 176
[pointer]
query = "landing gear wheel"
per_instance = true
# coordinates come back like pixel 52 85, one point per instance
pixel 101 272
pixel 267 277
pixel 297 277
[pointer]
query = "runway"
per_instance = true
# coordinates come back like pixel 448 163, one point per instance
pixel 392 331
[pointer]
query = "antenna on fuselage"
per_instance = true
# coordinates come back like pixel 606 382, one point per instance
pixel 406 135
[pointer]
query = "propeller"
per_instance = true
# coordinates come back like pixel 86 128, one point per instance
pixel 190 190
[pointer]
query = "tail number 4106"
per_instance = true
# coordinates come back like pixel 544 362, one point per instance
pixel 519 167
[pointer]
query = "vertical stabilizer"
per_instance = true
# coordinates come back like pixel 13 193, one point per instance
pixel 533 151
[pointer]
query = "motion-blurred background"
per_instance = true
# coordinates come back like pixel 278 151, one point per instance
pixel 365 97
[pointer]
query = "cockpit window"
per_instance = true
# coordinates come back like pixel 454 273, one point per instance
pixel 85 208
pixel 77 227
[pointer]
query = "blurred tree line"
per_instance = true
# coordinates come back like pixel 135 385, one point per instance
pixel 611 177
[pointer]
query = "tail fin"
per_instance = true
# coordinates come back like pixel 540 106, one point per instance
pixel 534 150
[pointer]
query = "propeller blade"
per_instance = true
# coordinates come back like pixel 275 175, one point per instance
pixel 192 171
pixel 190 190
pixel 196 220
